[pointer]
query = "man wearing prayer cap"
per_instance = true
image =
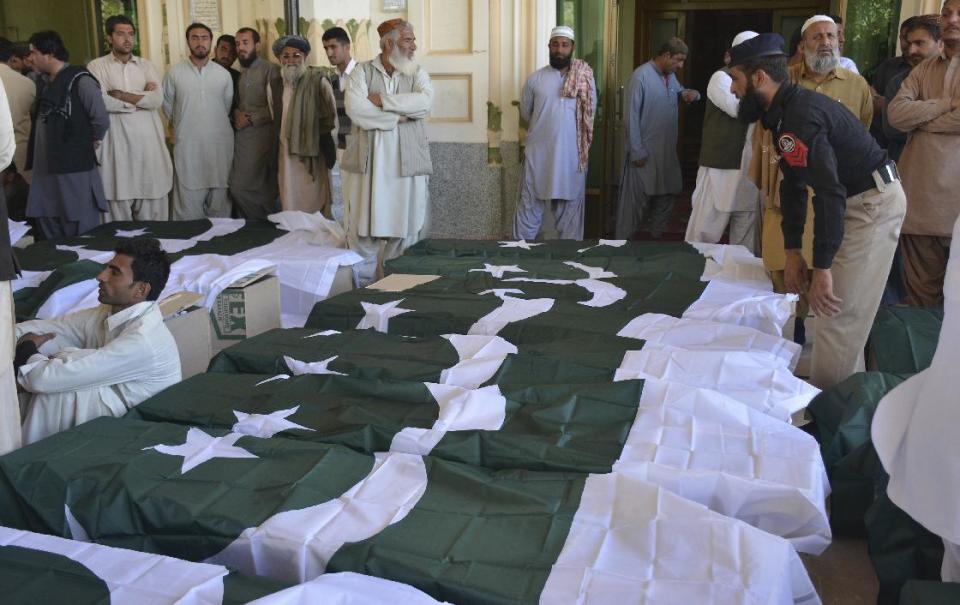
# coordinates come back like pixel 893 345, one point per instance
pixel 858 202
pixel 386 164
pixel 253 175
pixel 651 169
pixel 308 122
pixel 558 102
pixel 724 195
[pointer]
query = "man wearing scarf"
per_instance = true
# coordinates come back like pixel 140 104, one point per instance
pixel 308 121
pixel 386 164
pixel 559 101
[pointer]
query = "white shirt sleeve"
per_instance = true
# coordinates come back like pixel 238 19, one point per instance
pixel 718 91
pixel 7 143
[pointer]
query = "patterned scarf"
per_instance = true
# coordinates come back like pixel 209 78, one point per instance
pixel 577 85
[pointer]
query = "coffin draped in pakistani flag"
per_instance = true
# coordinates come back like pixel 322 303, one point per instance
pixel 37 568
pixel 293 509
pixel 305 251
pixel 612 425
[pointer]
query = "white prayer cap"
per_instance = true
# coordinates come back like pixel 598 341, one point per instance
pixel 815 19
pixel 743 37
pixel 562 31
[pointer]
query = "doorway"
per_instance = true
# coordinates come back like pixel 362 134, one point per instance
pixel 708 35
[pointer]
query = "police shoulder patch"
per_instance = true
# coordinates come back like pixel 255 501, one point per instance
pixel 793 150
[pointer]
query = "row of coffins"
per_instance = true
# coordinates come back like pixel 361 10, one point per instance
pixel 902 343
pixel 305 251
pixel 518 423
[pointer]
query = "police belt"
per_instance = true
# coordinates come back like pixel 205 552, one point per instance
pixel 886 173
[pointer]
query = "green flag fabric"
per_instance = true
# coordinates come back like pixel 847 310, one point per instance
pixel 36 568
pixel 305 250
pixel 28 300
pixel 459 532
pixel 904 339
pixel 605 422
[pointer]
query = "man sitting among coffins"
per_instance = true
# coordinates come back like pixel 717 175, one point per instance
pixel 101 361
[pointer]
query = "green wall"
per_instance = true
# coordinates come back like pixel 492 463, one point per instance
pixel 72 19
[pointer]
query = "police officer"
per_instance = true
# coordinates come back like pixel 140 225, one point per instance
pixel 858 203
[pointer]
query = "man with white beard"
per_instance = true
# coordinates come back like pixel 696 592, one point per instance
pixel 386 165
pixel 308 123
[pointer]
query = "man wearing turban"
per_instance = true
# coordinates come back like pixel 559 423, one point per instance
pixel 386 164
pixel 308 121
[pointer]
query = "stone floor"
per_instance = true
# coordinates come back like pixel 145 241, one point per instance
pixel 843 575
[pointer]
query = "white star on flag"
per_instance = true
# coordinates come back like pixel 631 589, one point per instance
pixel 273 378
pixel 310 367
pixel 518 244
pixel 200 447
pixel 378 316
pixel 498 270
pixel 324 333
pixel 613 243
pixel 131 232
pixel 266 425
pixel 501 292
pixel 592 272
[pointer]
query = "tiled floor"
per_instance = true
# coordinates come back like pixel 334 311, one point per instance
pixel 843 575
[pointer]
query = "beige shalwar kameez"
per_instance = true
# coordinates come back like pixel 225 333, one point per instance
pixel 134 162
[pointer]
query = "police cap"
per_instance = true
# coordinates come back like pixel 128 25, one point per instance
pixel 764 45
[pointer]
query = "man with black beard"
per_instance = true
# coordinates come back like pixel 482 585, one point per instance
pixel 651 169
pixel 197 97
pixel 253 177
pixel 819 71
pixel 858 203
pixel 555 160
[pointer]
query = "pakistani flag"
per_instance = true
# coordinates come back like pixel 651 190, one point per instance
pixel 293 509
pixel 553 249
pixel 520 311
pixel 51 266
pixel 36 568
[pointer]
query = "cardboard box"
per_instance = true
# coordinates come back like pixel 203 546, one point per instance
pixel 191 330
pixel 342 281
pixel 399 282
pixel 250 306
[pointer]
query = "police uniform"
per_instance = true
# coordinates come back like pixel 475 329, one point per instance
pixel 858 207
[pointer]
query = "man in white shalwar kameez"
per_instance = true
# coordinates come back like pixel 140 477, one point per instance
pixel 197 97
pixel 554 164
pixel 101 361
pixel 308 127
pixel 387 161
pixel 915 433
pixel 724 195
pixel 134 161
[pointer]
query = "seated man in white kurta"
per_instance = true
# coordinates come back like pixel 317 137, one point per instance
pixel 308 130
pixel 101 361
pixel 387 160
